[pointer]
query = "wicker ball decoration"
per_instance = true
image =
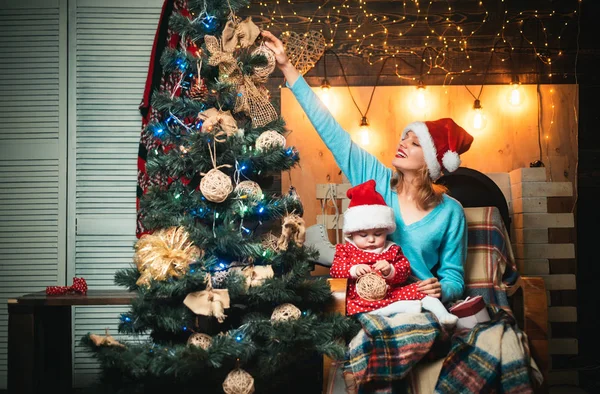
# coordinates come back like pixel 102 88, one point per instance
pixel 216 185
pixel 200 340
pixel 270 139
pixel 238 381
pixel 285 312
pixel 371 287
pixel 261 73
pixel 249 188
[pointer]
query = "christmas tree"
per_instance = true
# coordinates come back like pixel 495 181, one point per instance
pixel 225 301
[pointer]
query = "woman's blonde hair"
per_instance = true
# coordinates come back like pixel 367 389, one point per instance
pixel 429 194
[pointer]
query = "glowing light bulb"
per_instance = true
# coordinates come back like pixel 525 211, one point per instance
pixel 325 93
pixel 515 96
pixel 479 119
pixel 419 100
pixel 365 138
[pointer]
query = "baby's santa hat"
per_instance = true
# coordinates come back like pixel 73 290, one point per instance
pixel 442 142
pixel 367 210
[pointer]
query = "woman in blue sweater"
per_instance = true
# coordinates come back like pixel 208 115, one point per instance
pixel 430 226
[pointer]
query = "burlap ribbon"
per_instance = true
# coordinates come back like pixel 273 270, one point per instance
pixel 293 229
pixel 254 100
pixel 107 340
pixel 222 120
pixel 251 99
pixel 225 60
pixel 209 302
pixel 255 274
pixel 243 33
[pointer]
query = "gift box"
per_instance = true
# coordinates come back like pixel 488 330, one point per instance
pixel 470 312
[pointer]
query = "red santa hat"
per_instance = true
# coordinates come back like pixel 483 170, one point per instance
pixel 442 142
pixel 367 210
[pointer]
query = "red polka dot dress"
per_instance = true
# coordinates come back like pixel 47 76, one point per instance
pixel 348 255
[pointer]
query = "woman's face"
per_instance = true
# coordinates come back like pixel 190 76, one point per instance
pixel 409 154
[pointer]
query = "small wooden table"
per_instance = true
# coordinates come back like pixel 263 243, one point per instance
pixel 40 338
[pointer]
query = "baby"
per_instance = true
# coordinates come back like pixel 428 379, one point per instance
pixel 367 222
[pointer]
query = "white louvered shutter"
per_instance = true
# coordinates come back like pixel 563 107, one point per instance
pixel 32 152
pixel 110 49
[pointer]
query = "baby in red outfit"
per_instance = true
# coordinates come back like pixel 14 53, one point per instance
pixel 367 222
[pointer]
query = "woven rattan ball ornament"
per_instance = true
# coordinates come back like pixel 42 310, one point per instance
pixel 238 381
pixel 200 340
pixel 285 312
pixel 248 188
pixel 261 73
pixel 270 139
pixel 216 185
pixel 371 287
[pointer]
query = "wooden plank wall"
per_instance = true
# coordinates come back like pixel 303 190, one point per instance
pixel 508 142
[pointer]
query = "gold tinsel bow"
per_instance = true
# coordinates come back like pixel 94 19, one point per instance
pixel 251 99
pixel 209 302
pixel 243 33
pixel 225 123
pixel 165 253
pixel 107 340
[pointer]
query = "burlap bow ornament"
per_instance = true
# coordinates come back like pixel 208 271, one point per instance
pixel 107 340
pixel 225 60
pixel 293 230
pixel 222 121
pixel 209 302
pixel 251 99
pixel 243 33
pixel 255 274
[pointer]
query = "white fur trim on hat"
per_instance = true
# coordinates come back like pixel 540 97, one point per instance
pixel 367 217
pixel 429 150
pixel 451 161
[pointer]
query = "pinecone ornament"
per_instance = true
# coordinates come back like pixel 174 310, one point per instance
pixel 198 91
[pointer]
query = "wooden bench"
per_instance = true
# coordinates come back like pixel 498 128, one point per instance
pixel 40 338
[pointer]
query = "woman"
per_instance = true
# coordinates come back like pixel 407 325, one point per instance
pixel 431 226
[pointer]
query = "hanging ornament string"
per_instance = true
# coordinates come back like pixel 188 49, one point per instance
pixel 213 156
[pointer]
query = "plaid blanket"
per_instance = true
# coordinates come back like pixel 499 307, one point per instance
pixel 388 347
pixel 493 357
pixel 490 268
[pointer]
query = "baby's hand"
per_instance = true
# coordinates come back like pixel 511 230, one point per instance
pixel 383 266
pixel 362 269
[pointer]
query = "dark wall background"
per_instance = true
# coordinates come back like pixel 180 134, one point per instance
pixel 524 54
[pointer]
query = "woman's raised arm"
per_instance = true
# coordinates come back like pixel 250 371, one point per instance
pixel 358 164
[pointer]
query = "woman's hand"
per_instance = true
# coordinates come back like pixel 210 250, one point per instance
pixel 432 287
pixel 382 266
pixel 275 45
pixel 362 269
pixel 283 62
